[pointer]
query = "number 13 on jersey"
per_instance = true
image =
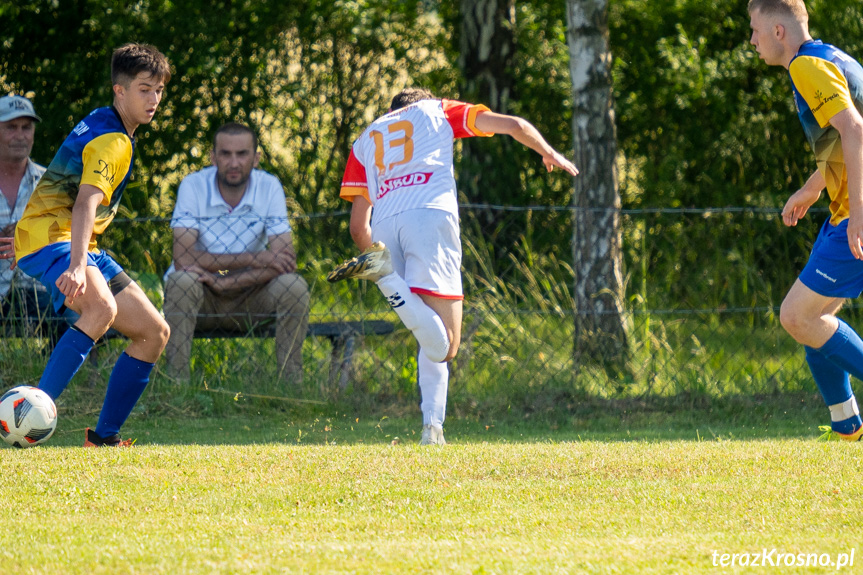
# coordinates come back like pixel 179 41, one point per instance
pixel 405 142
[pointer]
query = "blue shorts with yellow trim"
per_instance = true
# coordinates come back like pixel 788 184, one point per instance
pixel 832 270
pixel 49 263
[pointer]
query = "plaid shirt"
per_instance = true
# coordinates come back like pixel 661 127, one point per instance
pixel 10 214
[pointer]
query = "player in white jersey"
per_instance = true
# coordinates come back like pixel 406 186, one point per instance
pixel 402 166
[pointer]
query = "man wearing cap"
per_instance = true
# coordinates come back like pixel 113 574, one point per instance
pixel 20 295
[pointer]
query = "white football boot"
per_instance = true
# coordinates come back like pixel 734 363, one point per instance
pixel 373 264
pixel 432 435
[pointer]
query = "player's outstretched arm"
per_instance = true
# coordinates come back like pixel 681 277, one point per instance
pixel 801 200
pixel 526 134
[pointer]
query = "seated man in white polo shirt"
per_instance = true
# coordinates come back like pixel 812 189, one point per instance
pixel 234 259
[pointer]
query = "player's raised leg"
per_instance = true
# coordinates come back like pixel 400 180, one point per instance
pixel 450 312
pixel 427 326
pixel 425 323
pixel 142 323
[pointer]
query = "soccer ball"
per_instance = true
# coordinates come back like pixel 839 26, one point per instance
pixel 28 416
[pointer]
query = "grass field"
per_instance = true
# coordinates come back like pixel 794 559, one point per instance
pixel 650 491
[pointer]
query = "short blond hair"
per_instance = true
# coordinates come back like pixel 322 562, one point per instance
pixel 793 8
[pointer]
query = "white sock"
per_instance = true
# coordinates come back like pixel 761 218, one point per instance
pixel 844 410
pixel 422 320
pixel 433 379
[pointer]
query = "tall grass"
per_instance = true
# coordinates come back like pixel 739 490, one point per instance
pixel 516 352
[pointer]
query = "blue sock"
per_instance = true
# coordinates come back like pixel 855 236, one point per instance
pixel 845 349
pixel 125 386
pixel 835 387
pixel 66 359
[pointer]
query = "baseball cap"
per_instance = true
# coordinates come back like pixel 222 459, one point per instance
pixel 12 107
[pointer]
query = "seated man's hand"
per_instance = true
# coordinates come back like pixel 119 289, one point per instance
pixel 204 276
pixel 7 250
pixel 218 282
pixel 284 262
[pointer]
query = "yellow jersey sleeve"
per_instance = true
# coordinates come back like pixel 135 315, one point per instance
pixel 822 85
pixel 106 162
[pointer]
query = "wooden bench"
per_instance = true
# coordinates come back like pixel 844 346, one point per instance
pixel 342 336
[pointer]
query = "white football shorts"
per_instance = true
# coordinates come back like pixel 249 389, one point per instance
pixel 426 250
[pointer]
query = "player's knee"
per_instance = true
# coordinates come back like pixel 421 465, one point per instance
pixel 102 311
pixel 791 319
pixel 452 350
pixel 437 351
pixel 154 335
pixel 163 333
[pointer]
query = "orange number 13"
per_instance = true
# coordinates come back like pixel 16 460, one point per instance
pixel 406 142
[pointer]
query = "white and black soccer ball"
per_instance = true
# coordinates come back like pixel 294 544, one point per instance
pixel 28 416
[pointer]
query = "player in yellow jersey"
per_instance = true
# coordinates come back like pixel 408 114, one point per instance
pixel 828 92
pixel 55 241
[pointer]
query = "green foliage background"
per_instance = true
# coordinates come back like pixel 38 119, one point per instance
pixel 308 75
pixel 701 123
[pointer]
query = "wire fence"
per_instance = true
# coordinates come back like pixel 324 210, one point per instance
pixel 702 291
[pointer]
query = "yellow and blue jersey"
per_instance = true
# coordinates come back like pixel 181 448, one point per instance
pixel 97 152
pixel 826 81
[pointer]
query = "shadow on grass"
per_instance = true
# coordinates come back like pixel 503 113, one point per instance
pixel 681 418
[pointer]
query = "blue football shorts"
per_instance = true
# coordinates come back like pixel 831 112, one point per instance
pixel 832 270
pixel 49 263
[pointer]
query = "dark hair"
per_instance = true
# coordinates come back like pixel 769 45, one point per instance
pixel 129 60
pixel 234 128
pixel 794 8
pixel 410 95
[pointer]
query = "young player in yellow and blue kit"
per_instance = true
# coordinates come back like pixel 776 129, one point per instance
pixel 55 241
pixel 828 92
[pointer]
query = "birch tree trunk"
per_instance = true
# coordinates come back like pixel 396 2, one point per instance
pixel 600 324
pixel 486 55
pixel 486 51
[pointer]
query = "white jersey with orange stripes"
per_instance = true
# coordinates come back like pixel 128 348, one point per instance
pixel 404 160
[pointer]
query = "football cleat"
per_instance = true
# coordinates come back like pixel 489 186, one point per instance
pixel 432 435
pixel 93 440
pixel 830 435
pixel 373 264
